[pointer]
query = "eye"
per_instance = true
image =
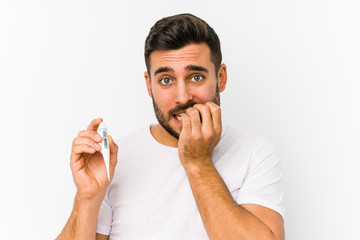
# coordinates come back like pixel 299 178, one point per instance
pixel 197 78
pixel 165 81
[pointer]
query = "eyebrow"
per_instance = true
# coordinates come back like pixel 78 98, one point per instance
pixel 190 67
pixel 163 69
pixel 196 68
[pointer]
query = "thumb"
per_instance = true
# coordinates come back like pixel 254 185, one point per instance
pixel 113 146
pixel 113 152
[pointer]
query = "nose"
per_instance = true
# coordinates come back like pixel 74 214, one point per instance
pixel 183 94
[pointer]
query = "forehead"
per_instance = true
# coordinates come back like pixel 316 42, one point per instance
pixel 198 54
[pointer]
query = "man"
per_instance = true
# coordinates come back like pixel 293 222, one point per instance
pixel 188 177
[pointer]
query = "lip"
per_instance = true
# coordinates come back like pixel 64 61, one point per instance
pixel 177 121
pixel 179 112
pixel 175 116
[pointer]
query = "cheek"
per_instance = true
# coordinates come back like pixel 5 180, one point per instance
pixel 163 99
pixel 205 93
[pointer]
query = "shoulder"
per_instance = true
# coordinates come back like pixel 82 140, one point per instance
pixel 259 151
pixel 233 137
pixel 136 136
pixel 245 147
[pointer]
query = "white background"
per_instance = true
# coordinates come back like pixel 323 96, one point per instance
pixel 294 77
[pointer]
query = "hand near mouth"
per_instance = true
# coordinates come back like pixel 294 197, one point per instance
pixel 201 132
pixel 179 116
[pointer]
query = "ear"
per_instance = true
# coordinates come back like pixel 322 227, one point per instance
pixel 222 77
pixel 148 83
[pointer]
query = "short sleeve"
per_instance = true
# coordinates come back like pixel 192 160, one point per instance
pixel 262 184
pixel 104 220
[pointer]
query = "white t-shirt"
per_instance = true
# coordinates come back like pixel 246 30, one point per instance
pixel 150 196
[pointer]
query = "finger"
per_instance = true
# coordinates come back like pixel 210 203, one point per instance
pixel 91 135
pixel 204 110
pixel 215 111
pixel 113 156
pixel 80 149
pixel 195 120
pixel 94 124
pixel 86 141
pixel 186 125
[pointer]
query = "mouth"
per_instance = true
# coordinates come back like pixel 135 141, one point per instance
pixel 178 116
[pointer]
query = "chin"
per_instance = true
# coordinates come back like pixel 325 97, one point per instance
pixel 170 129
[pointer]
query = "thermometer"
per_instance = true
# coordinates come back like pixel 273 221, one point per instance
pixel 105 148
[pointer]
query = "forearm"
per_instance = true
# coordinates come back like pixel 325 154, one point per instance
pixel 83 219
pixel 223 218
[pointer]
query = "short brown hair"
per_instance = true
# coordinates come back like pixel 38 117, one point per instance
pixel 175 32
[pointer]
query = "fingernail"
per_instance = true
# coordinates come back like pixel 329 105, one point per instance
pixel 98 137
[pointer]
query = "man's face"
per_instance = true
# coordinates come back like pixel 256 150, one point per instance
pixel 180 79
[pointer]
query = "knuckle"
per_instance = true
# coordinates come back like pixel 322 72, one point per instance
pixel 189 110
pixel 197 137
pixel 89 142
pixel 81 132
pixel 209 135
pixel 202 107
pixel 75 140
pixel 211 104
pixel 94 135
pixel 198 105
pixel 192 112
pixel 75 150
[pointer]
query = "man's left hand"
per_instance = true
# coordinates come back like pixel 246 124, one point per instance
pixel 201 132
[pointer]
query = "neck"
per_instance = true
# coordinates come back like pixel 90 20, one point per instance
pixel 162 136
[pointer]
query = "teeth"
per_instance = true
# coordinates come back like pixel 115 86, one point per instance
pixel 179 116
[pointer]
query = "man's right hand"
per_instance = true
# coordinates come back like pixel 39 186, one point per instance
pixel 87 163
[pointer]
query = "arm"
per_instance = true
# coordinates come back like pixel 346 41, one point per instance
pixel 90 176
pixel 223 218
pixel 83 219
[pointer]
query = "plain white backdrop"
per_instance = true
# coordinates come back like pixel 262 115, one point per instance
pixel 293 76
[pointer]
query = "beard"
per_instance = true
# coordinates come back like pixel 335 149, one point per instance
pixel 164 119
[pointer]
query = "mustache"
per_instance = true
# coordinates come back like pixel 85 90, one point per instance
pixel 180 108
